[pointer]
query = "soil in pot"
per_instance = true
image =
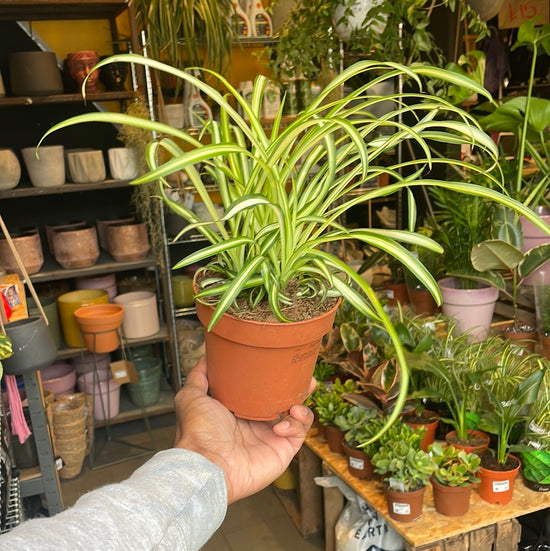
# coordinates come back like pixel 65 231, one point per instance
pixel 427 419
pixel 477 442
pixel 452 501
pixel 523 334
pixel 497 479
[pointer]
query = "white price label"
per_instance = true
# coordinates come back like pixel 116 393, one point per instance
pixel 356 463
pixel 120 374
pixel 401 508
pixel 500 486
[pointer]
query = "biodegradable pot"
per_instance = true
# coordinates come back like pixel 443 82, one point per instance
pixel 10 169
pixel 68 303
pixel 276 362
pixel 359 463
pixel 34 74
pixel 335 437
pixel 431 426
pixel 99 325
pixel 498 486
pixel 128 241
pixel 76 247
pixel 86 166
pixel 140 314
pixel 478 441
pixel 33 346
pixel 471 308
pixel 452 501
pixel 48 170
pixel 405 506
pixel 28 246
pixel 122 163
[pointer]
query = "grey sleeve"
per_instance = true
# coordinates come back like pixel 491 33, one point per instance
pixel 176 500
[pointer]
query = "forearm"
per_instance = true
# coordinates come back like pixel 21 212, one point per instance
pixel 175 501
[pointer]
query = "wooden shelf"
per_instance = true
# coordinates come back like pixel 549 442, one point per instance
pixel 56 99
pixel 48 10
pixel 24 189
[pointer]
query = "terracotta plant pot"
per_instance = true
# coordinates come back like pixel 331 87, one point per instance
pixel 275 362
pixel 359 463
pixel 128 241
pixel 481 441
pixel 471 308
pixel 335 438
pixel 396 292
pixel 422 301
pixel 523 334
pixel 452 501
pixel 430 426
pixel 28 246
pixel 76 247
pixel 102 224
pixel 33 346
pixel 52 228
pixel 498 486
pixel 99 324
pixel 405 506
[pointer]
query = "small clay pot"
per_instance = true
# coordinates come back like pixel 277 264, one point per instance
pixel 28 246
pixel 128 241
pixel 77 66
pixel 76 248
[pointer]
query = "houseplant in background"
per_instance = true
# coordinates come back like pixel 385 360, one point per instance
pixel 279 214
pixel 511 383
pixel 452 479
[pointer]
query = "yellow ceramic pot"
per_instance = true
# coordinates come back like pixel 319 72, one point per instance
pixel 68 303
pixel 182 289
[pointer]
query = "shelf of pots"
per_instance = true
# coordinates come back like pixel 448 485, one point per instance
pixel 278 213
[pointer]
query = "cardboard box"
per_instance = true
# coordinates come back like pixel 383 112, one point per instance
pixel 14 303
pixel 515 12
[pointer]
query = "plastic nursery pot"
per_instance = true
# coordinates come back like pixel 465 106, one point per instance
pixel 498 486
pixel 405 506
pixel 258 370
pixel 431 427
pixel 477 442
pixel 99 324
pixel 359 463
pixel 452 501
pixel 335 437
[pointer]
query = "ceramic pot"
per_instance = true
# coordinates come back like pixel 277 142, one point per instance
pixel 10 169
pixel 356 12
pixel 106 397
pixel 59 378
pixel 431 427
pixel 182 291
pixel 482 441
pixel 49 169
pixel 101 225
pixel 28 247
pixel 49 305
pixel 33 346
pixel 34 74
pixel 52 228
pixel 68 303
pixel 276 362
pixel 76 247
pixel 128 241
pixel 122 163
pixel 405 506
pixel 106 282
pixel 147 391
pixel 471 308
pixel 335 437
pixel 113 76
pixel 140 314
pixel 175 115
pixel 88 362
pixel 99 325
pixel 77 66
pixel 452 501
pixel 86 166
pixel 359 463
pixel 533 237
pixel 498 486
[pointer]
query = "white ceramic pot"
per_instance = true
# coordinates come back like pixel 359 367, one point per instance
pixel 122 163
pixel 49 169
pixel 140 314
pixel 86 166
pixel 10 169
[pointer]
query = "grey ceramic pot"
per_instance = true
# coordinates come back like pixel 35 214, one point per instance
pixel 33 346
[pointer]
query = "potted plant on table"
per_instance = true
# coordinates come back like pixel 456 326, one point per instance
pixel 452 479
pixel 283 192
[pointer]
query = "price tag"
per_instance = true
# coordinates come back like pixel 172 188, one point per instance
pixel 124 371
pixel 500 486
pixel 515 12
pixel 401 508
pixel 356 463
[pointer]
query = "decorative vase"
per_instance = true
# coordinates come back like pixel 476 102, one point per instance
pixel 128 241
pixel 33 346
pixel 77 66
pixel 10 169
pixel 34 74
pixel 452 501
pixel 113 76
pixel 76 247
pixel 68 303
pixel 478 441
pixel 432 421
pixel 122 163
pixel 405 506
pixel 334 437
pixel 99 325
pixel 497 486
pixel 276 362
pixel 28 246
pixel 86 166
pixel 471 308
pixel 359 463
pixel 48 170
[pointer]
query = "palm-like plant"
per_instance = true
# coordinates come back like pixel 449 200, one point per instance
pixel 284 192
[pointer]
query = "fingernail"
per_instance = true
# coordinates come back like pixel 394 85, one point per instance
pixel 284 424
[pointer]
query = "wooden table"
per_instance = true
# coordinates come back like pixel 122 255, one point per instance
pixel 485 527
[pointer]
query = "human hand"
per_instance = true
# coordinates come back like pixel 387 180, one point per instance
pixel 252 454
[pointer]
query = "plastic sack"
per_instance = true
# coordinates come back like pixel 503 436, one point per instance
pixel 360 527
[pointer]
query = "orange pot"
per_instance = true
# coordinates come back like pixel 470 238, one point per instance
pixel 405 506
pixel 478 448
pixel 99 324
pixel 498 486
pixel 259 370
pixel 431 428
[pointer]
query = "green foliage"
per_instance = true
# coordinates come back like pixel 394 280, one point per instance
pixel 454 467
pixel 330 403
pixel 354 420
pixel 323 371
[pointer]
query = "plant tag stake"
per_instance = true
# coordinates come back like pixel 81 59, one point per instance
pixel 124 371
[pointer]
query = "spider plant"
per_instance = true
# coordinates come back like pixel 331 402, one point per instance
pixel 284 191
